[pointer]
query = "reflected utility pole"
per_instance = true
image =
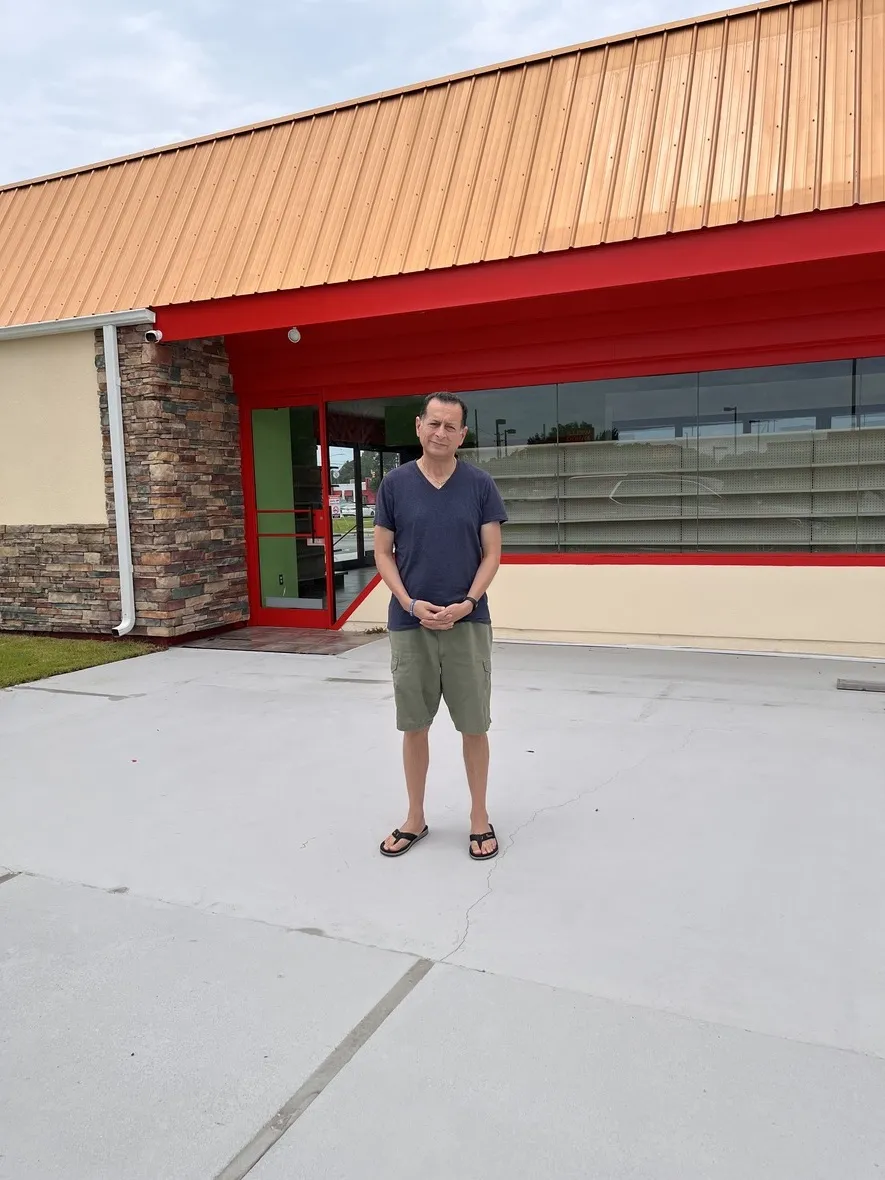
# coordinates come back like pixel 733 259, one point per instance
pixel 733 410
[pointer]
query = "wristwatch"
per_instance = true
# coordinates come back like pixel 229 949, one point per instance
pixel 467 598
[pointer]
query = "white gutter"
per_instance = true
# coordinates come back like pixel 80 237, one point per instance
pixel 109 325
pixel 82 323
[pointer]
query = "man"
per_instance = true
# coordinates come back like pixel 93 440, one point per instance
pixel 438 547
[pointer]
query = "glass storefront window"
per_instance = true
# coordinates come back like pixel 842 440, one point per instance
pixel 785 479
pixel 512 433
pixel 629 469
pixel 788 458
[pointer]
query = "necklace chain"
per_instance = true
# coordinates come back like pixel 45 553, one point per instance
pixel 437 483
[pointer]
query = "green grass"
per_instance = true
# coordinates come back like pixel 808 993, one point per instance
pixel 33 657
pixel 347 524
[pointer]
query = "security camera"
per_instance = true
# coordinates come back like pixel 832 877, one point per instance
pixel 294 335
pixel 153 336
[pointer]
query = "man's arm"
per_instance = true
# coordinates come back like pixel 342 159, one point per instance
pixel 385 563
pixel 490 537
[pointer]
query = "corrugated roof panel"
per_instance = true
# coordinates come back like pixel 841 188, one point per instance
pixel 471 143
pixel 344 181
pixel 664 149
pixel 606 145
pixel 802 110
pixel 267 201
pixel 700 129
pixel 766 119
pixel 492 161
pixel 733 132
pixel 164 198
pixel 100 239
pixel 583 116
pixel 417 174
pixel 872 106
pixel 779 108
pixel 450 105
pixel 299 219
pixel 543 172
pixel 29 230
pixel 400 194
pixel 322 213
pixel 357 229
pixel 135 225
pixel 56 246
pixel 627 197
pixel 519 162
pixel 249 200
pixel 194 246
pixel 282 222
pixel 215 242
pixel 837 164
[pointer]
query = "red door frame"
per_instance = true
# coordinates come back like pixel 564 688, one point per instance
pixel 263 616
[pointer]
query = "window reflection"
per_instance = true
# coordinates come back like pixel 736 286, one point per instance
pixel 778 458
pixel 787 480
pixel 512 434
pixel 628 464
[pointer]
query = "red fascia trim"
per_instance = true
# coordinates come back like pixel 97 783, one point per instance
pixel 770 559
pixel 807 237
pixel 357 602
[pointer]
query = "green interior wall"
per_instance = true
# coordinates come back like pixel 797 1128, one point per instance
pixel 272 452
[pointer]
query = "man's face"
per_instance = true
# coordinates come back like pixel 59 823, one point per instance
pixel 440 430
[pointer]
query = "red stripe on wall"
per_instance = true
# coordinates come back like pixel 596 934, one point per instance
pixel 742 559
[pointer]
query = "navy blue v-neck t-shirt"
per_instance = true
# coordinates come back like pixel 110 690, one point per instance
pixel 437 541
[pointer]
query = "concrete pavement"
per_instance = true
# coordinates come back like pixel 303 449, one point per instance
pixel 676 967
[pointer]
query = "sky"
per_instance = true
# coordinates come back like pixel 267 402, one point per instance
pixel 87 80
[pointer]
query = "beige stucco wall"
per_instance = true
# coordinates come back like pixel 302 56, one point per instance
pixel 810 609
pixel 51 465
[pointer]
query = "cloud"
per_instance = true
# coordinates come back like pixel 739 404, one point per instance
pixel 83 80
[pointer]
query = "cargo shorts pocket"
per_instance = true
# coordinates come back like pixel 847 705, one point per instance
pixel 416 688
pixel 467 686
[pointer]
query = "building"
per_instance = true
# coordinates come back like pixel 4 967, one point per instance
pixel 653 266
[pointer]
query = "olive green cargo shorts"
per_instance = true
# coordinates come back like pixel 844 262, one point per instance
pixel 455 665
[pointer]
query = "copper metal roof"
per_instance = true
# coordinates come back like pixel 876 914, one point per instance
pixel 750 114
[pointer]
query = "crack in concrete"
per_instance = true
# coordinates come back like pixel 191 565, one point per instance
pixel 652 704
pixel 542 811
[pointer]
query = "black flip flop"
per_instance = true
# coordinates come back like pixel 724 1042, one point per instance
pixel 398 835
pixel 479 840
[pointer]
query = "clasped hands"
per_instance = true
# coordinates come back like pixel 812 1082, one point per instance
pixel 441 618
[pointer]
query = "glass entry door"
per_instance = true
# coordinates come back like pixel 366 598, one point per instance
pixel 291 546
pixel 356 474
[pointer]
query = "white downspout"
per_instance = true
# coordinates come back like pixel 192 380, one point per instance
pixel 108 325
pixel 121 490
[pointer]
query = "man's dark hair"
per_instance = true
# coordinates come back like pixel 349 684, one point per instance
pixel 447 399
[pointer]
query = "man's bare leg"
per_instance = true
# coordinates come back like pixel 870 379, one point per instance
pixel 416 760
pixel 476 763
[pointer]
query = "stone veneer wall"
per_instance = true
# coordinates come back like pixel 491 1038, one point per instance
pixel 186 509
